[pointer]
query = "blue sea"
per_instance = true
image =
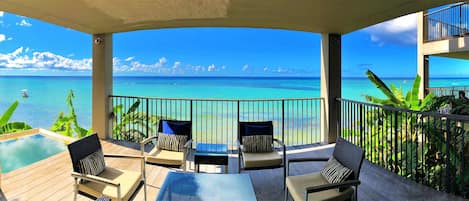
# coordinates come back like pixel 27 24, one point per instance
pixel 47 94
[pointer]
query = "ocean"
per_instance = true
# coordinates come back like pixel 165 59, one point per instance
pixel 47 94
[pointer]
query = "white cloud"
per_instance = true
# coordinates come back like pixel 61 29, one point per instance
pixel 245 67
pixel 401 31
pixel 211 68
pixel 10 38
pixel 28 59
pixel 129 58
pixel 176 64
pixel 41 60
pixel 2 37
pixel 1 13
pixel 24 23
pixel 162 61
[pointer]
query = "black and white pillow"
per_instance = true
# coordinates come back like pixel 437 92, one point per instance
pixel 334 172
pixel 92 164
pixel 257 143
pixel 171 142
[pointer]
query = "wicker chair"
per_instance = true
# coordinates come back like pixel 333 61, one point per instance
pixel 117 184
pixel 165 157
pixel 315 187
pixel 258 161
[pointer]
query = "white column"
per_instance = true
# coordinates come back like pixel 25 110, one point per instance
pixel 422 59
pixel 331 88
pixel 102 84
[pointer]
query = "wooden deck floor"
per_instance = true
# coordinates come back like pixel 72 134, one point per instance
pixel 50 179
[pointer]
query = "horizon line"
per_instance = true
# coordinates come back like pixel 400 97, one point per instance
pixel 202 76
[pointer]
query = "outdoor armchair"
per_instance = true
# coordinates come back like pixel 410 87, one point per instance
pixel 251 155
pixel 167 153
pixel 114 183
pixel 316 187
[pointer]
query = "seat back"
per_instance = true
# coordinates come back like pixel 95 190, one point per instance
pixel 176 127
pixel 349 155
pixel 82 148
pixel 263 128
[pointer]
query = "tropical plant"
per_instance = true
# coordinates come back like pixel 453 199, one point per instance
pixel 395 96
pixel 409 143
pixel 456 106
pixel 68 124
pixel 131 124
pixel 10 127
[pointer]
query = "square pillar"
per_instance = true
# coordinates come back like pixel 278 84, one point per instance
pixel 102 85
pixel 331 85
pixel 423 62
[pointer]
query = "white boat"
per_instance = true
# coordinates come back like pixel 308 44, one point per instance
pixel 24 93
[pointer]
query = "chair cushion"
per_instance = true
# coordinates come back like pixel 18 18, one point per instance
pixel 92 164
pixel 171 142
pixel 258 143
pixel 257 160
pixel 165 157
pixel 258 130
pixel 129 181
pixel 176 127
pixel 335 172
pixel 298 184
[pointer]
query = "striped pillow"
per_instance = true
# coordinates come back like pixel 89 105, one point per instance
pixel 92 164
pixel 257 143
pixel 171 142
pixel 334 172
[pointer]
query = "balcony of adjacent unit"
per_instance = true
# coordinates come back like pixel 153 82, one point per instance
pixel 446 31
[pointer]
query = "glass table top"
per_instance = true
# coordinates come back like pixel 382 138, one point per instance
pixel 211 149
pixel 206 187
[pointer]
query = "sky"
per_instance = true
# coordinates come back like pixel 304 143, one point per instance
pixel 33 47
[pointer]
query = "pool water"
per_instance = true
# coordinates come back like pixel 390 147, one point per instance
pixel 20 152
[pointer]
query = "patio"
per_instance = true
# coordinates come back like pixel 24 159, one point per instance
pixel 50 179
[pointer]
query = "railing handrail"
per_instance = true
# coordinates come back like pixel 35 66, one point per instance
pixel 215 99
pixel 451 87
pixel 394 109
pixel 446 8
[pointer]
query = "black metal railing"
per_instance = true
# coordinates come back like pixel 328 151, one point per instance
pixel 296 121
pixel 449 91
pixel 447 23
pixel 426 147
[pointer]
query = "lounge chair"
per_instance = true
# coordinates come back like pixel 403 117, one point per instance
pixel 259 156
pixel 117 184
pixel 315 186
pixel 174 156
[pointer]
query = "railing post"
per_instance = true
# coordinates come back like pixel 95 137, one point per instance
pixel 361 125
pixel 396 150
pixel 283 121
pixel 190 111
pixel 147 117
pixel 461 32
pixel 447 161
pixel 339 117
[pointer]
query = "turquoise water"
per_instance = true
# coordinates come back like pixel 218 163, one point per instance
pixel 47 94
pixel 17 153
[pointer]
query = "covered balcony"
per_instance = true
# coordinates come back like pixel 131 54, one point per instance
pixel 397 142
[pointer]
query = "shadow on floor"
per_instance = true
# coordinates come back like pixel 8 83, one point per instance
pixel 2 196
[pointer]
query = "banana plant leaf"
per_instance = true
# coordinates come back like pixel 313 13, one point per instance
pixel 382 87
pixel 8 113
pixel 11 127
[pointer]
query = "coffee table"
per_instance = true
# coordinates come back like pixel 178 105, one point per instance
pixel 187 186
pixel 214 154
